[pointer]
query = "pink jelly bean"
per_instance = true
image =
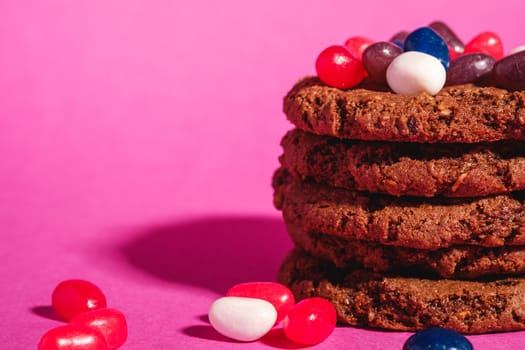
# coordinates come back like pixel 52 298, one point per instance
pixel 277 294
pixel 310 321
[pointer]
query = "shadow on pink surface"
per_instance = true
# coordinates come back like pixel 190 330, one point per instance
pixel 212 252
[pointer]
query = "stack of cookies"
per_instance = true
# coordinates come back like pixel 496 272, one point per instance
pixel 406 211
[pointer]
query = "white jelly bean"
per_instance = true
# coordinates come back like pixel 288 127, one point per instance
pixel 413 72
pixel 243 319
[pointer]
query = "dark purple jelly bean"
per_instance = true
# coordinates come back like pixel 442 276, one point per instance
pixel 469 68
pixel 426 40
pixel 450 37
pixel 509 72
pixel 399 36
pixel 377 57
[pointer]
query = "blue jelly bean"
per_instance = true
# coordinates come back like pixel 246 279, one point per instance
pixel 437 339
pixel 426 40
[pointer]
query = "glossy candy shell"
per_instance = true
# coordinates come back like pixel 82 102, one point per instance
pixel 414 72
pixel 73 337
pixel 278 294
pixel 377 57
pixel 310 321
pixel 509 72
pixel 243 319
pixel 469 68
pixel 437 339
pixel 111 323
pixel 426 40
pixel 72 297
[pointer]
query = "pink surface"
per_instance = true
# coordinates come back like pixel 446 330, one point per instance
pixel 138 139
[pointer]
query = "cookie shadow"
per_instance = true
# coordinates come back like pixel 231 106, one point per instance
pixel 211 252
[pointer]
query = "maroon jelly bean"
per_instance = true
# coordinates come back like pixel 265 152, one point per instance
pixel 399 36
pixel 448 34
pixel 469 68
pixel 509 72
pixel 377 57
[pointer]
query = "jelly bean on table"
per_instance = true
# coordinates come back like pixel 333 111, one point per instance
pixel 437 339
pixel 111 323
pixel 310 321
pixel 241 318
pixel 73 337
pixel 278 294
pixel 72 297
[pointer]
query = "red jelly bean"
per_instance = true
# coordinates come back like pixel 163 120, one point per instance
pixel 277 294
pixel 486 42
pixel 73 337
pixel 337 67
pixel 357 45
pixel 310 321
pixel 72 297
pixel 110 322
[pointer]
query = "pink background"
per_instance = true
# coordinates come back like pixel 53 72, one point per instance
pixel 137 143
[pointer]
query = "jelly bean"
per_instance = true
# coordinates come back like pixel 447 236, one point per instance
pixel 452 40
pixel 278 294
pixel 486 42
pixel 469 68
pixel 243 319
pixel 337 67
pixel 428 41
pixel 437 339
pixel 357 45
pixel 509 72
pixel 517 49
pixel 73 337
pixel 414 72
pixel 72 297
pixel 310 321
pixel 377 57
pixel 110 323
pixel 399 36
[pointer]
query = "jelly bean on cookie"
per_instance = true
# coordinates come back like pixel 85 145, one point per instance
pixel 414 72
pixel 337 67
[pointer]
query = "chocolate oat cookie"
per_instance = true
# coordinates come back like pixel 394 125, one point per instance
pixel 463 261
pixel 401 169
pixel 367 299
pixel 412 222
pixel 460 113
